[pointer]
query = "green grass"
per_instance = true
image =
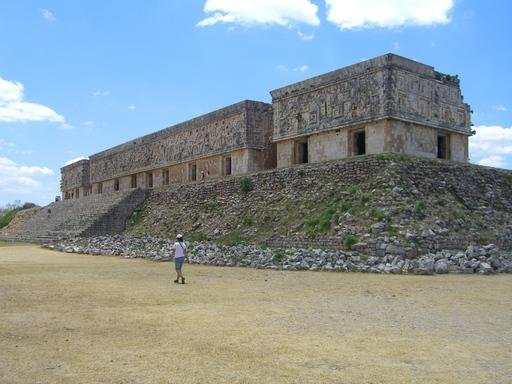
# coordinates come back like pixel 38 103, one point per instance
pixel 197 236
pixel 378 214
pixel 246 184
pixel 321 223
pixel 278 256
pixel 233 238
pixel 349 241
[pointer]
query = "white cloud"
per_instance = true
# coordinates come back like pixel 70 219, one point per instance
pixel 100 93
pixel 302 68
pixel 14 109
pixel 284 68
pixel 88 123
pixel 253 12
pixel 491 145
pixel 305 37
pixel 493 161
pixel 75 160
pixel 350 14
pixel 396 46
pixel 15 178
pixel 8 147
pixel 48 15
pixel 131 107
pixel 500 108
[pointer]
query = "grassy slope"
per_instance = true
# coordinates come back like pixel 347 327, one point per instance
pixel 311 204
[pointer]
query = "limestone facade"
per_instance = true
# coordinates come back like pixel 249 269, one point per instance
pixel 386 104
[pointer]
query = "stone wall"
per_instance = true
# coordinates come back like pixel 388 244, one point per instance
pixel 75 176
pixel 243 125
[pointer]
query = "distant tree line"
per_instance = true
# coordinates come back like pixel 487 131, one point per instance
pixel 9 211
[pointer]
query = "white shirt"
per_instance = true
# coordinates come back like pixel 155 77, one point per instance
pixel 179 249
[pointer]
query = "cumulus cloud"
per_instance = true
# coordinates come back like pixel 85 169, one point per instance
pixel 14 109
pixel 254 12
pixel 350 14
pixel 75 160
pixel 47 15
pixel 491 145
pixel 17 178
pixel 500 108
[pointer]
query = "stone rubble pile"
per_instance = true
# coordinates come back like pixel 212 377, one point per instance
pixel 486 259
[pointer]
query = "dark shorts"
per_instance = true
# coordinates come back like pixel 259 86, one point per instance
pixel 178 263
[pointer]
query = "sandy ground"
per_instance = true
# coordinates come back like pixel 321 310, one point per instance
pixel 97 319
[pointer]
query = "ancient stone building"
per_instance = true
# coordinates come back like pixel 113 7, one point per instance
pixel 386 104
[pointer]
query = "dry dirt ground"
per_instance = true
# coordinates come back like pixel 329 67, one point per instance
pixel 68 318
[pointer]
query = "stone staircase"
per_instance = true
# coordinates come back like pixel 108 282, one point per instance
pixel 88 216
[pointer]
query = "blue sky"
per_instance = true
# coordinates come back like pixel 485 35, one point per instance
pixel 77 77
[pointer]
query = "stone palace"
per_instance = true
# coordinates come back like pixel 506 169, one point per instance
pixel 385 104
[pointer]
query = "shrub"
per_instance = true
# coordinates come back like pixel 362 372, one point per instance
pixel 246 185
pixel 365 197
pixel 248 221
pixel 301 172
pixel 378 214
pixel 278 256
pixel 6 216
pixel 420 208
pixel 392 230
pixel 324 222
pixel 345 206
pixel 349 241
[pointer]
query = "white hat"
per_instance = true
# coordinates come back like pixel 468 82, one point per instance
pixel 179 236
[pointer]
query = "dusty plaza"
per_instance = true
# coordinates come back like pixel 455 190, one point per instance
pixel 68 318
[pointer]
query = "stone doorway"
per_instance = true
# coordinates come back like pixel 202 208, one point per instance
pixel 359 143
pixel 443 147
pixel 227 166
pixel 192 172
pixel 301 152
pixel 149 180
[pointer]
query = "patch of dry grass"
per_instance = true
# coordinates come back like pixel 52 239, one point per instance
pixel 90 319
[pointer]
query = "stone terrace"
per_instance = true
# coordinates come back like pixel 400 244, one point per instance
pixel 91 215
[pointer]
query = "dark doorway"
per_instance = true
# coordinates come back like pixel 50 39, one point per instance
pixel 134 181
pixel 149 179
pixel 116 185
pixel 442 147
pixel 165 176
pixel 193 172
pixel 302 152
pixel 359 143
pixel 227 166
